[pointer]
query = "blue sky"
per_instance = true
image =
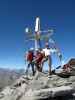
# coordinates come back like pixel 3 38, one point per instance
pixel 15 15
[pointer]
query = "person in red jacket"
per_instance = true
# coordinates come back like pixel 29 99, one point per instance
pixel 38 60
pixel 30 57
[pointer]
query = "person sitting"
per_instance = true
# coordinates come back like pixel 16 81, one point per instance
pixel 67 68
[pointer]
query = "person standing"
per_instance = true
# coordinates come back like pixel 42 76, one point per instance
pixel 47 52
pixel 38 60
pixel 47 57
pixel 30 57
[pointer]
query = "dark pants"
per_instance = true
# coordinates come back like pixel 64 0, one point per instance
pixel 32 65
pixel 38 66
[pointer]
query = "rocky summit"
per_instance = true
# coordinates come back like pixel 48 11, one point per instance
pixel 40 87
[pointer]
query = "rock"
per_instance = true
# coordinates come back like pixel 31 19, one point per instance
pixel 47 93
pixel 39 87
pixel 72 61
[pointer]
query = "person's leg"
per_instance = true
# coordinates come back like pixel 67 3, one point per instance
pixel 40 67
pixel 32 65
pixel 49 64
pixel 43 61
pixel 27 67
pixel 37 66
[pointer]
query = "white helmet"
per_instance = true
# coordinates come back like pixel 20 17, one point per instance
pixel 31 49
pixel 36 49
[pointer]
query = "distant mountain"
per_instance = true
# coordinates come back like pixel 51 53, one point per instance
pixel 7 76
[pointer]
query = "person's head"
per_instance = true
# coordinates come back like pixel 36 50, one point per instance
pixel 47 45
pixel 31 49
pixel 37 50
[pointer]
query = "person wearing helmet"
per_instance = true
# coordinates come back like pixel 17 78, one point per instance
pixel 30 57
pixel 38 59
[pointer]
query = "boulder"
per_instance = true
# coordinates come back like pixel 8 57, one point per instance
pixel 40 87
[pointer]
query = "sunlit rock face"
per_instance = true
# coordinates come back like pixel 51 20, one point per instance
pixel 40 87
